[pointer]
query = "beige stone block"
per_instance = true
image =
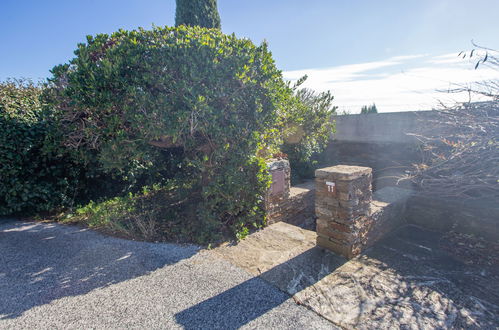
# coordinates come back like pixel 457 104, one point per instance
pixel 342 172
pixel 348 251
pixel 323 212
pixel 341 227
pixel 338 236
pixel 324 225
pixel 349 203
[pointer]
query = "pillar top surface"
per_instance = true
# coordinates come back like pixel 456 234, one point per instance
pixel 342 172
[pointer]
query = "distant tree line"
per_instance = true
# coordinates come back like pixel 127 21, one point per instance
pixel 369 109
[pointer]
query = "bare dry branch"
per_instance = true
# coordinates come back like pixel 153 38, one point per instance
pixel 460 146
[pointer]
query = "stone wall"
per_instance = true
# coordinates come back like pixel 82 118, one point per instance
pixel 299 208
pixel 389 127
pixel 388 210
pixel 348 219
pixel 381 141
pixel 294 205
pixel 278 194
pixel 476 217
pixel 389 161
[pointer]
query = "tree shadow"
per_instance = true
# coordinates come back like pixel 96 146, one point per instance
pixel 408 279
pixel 42 262
pixel 251 299
pixel 405 280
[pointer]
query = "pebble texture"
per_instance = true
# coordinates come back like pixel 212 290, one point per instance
pixel 54 276
pixel 63 277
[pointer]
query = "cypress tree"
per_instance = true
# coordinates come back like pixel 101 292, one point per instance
pixel 202 13
pixel 369 109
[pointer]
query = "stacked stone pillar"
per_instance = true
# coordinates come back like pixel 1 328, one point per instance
pixel 342 206
pixel 278 194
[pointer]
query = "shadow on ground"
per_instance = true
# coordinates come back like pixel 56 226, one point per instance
pixel 41 262
pixel 414 281
pixel 406 280
pixel 247 301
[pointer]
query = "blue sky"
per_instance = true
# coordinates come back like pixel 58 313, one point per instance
pixel 324 38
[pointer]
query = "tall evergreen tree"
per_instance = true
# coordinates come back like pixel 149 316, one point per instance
pixel 202 13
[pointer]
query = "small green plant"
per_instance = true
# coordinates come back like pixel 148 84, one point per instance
pixel 157 213
pixel 137 216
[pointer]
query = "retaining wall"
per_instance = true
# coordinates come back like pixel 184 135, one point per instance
pixel 380 141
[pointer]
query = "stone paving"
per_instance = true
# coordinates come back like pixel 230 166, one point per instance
pixel 404 281
pixel 54 276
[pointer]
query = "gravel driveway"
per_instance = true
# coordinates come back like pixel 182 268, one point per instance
pixel 55 276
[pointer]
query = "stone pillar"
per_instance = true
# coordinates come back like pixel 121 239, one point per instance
pixel 278 193
pixel 342 206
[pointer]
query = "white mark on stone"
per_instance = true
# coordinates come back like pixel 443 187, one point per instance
pixel 126 256
pixel 41 272
pixel 294 283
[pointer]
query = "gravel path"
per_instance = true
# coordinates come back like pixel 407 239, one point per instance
pixel 55 276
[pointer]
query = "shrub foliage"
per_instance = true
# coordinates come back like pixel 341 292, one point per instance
pixel 307 131
pixel 128 97
pixel 32 179
pixel 168 128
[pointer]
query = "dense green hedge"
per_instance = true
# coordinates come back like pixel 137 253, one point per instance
pixel 32 179
pixel 187 110
pixel 130 96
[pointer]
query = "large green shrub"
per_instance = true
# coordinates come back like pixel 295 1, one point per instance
pixel 203 13
pixel 31 178
pixel 308 127
pixel 128 97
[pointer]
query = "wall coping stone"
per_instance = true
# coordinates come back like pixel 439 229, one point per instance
pixel 276 164
pixel 342 172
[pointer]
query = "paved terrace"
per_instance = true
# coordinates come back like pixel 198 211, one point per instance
pixel 54 276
